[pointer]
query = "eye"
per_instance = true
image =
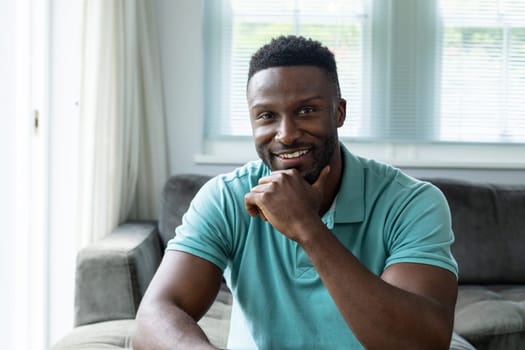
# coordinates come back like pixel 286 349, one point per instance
pixel 264 116
pixel 306 110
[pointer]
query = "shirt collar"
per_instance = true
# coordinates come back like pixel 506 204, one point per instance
pixel 328 217
pixel 350 202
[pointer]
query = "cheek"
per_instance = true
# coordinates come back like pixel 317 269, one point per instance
pixel 262 134
pixel 321 130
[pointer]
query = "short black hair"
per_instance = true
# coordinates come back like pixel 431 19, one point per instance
pixel 294 50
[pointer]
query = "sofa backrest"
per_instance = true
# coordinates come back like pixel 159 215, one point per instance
pixel 488 221
pixel 176 197
pixel 489 224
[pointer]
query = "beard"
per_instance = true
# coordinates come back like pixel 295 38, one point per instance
pixel 321 157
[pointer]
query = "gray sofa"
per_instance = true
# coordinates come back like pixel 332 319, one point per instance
pixel 489 222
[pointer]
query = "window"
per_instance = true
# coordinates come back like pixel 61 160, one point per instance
pixel 483 71
pixel 411 71
pixel 246 25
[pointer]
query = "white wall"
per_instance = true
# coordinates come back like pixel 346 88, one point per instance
pixel 64 84
pixel 23 251
pixel 181 42
pixel 180 31
pixel 39 51
pixel 7 98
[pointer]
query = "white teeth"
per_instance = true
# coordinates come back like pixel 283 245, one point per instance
pixel 293 155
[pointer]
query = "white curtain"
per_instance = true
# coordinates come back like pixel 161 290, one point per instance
pixel 123 152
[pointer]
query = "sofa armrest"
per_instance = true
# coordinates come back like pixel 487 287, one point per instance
pixel 113 274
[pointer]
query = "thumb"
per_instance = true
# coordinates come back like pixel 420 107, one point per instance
pixel 321 179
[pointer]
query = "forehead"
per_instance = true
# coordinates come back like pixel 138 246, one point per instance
pixel 290 81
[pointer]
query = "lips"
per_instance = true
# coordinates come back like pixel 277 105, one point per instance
pixel 292 155
pixel 288 159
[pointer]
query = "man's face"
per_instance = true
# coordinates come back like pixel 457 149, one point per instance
pixel 295 112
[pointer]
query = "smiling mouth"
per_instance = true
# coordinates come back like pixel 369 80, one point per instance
pixel 293 155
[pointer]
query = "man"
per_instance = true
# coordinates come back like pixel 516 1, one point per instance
pixel 322 249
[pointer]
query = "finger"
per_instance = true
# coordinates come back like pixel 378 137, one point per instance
pixel 321 179
pixel 275 175
pixel 268 179
pixel 252 208
pixel 265 186
pixel 261 214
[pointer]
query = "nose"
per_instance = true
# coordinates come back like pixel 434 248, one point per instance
pixel 288 131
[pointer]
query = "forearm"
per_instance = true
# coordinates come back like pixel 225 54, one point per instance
pixel 168 327
pixel 379 314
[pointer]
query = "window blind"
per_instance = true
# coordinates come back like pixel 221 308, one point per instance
pixel 247 25
pixel 411 71
pixel 483 75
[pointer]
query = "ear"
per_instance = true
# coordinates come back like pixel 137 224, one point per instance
pixel 341 112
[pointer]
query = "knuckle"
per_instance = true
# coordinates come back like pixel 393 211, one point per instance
pixel 265 196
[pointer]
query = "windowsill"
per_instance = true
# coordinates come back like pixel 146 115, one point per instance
pixel 445 155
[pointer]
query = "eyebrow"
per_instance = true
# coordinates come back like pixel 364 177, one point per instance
pixel 317 97
pixel 303 101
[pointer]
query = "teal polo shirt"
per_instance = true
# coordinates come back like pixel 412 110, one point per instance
pixel 380 214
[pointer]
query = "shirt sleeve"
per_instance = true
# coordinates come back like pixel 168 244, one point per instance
pixel 206 227
pixel 421 230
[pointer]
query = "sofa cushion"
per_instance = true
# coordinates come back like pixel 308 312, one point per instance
pixel 216 322
pixel 489 225
pixel 491 317
pixel 101 335
pixel 117 334
pixel 459 343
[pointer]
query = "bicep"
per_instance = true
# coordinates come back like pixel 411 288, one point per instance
pixel 432 282
pixel 189 282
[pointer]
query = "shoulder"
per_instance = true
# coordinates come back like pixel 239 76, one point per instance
pixel 413 215
pixel 393 194
pixel 216 219
pixel 397 184
pixel 373 189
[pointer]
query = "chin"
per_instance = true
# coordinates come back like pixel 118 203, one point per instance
pixel 311 177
